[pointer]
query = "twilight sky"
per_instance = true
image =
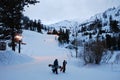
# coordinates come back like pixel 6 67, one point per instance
pixel 51 11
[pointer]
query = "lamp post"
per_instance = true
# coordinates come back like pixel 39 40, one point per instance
pixel 19 38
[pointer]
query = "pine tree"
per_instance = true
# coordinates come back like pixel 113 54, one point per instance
pixel 67 35
pixel 11 14
pixel 108 41
pixel 54 31
pixel 113 25
pixel 39 26
pixel 34 25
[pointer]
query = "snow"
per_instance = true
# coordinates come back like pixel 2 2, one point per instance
pixel 9 57
pixel 43 49
pixel 65 24
pixel 115 57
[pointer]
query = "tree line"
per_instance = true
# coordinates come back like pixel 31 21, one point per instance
pixel 63 35
pixel 33 25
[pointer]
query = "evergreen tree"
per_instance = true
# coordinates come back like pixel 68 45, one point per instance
pixel 25 23
pixel 11 14
pixel 55 31
pixel 67 35
pixel 108 41
pixel 39 26
pixel 31 25
pixel 113 25
pixel 34 25
pixel 90 35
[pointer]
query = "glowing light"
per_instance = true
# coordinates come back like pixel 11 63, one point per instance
pixel 18 37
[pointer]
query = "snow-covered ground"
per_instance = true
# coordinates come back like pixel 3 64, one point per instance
pixel 42 49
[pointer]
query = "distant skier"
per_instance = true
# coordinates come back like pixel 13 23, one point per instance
pixel 56 66
pixel 64 66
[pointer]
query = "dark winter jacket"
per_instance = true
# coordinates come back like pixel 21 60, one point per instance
pixel 56 63
pixel 64 63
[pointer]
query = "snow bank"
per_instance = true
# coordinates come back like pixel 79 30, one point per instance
pixel 115 58
pixel 9 57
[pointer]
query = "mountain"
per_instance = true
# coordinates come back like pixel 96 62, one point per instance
pixel 114 12
pixel 65 24
pixel 97 25
pixel 103 17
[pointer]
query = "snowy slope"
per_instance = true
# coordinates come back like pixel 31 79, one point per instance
pixel 37 43
pixel 44 49
pixel 66 24
pixel 10 57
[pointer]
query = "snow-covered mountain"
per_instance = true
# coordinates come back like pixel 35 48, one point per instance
pixel 101 21
pixel 103 16
pixel 114 13
pixel 91 26
pixel 66 24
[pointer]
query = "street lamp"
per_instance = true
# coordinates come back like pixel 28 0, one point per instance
pixel 18 39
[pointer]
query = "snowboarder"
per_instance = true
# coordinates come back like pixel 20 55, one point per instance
pixel 64 66
pixel 56 66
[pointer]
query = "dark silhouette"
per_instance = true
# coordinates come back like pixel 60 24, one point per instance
pixel 56 66
pixel 64 66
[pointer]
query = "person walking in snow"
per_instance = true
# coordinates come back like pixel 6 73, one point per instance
pixel 56 66
pixel 64 66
